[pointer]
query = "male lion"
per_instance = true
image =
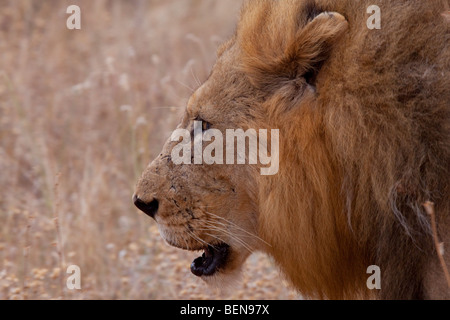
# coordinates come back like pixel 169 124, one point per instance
pixel 364 124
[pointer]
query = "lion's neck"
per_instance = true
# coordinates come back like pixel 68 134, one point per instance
pixel 302 216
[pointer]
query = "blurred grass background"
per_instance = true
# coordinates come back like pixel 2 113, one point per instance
pixel 82 112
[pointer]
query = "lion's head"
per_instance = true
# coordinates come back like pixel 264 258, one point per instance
pixel 216 207
pixel 269 75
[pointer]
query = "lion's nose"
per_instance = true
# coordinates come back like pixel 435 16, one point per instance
pixel 149 208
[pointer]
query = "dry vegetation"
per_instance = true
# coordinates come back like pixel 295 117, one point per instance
pixel 81 114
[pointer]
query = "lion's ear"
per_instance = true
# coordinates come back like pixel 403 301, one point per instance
pixel 316 41
pixel 279 49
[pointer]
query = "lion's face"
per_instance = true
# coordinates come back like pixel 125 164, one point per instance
pixel 209 207
pixel 215 208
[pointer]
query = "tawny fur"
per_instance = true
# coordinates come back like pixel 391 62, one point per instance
pixel 364 121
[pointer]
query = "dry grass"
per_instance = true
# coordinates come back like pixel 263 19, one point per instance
pixel 81 114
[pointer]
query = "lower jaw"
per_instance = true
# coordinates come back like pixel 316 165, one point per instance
pixel 213 260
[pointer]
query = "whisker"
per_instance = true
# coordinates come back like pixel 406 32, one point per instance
pixel 190 234
pixel 199 240
pixel 186 86
pixel 232 236
pixel 239 228
pixel 217 237
pixel 185 241
pixel 226 226
pixel 195 78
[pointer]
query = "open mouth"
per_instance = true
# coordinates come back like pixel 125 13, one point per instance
pixel 212 260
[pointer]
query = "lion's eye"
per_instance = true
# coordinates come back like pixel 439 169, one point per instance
pixel 205 124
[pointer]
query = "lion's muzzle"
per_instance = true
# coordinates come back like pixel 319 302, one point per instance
pixel 149 208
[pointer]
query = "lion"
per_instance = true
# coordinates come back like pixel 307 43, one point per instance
pixel 364 141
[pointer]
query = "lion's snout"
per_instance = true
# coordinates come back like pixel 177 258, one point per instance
pixel 150 208
pixel 147 196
